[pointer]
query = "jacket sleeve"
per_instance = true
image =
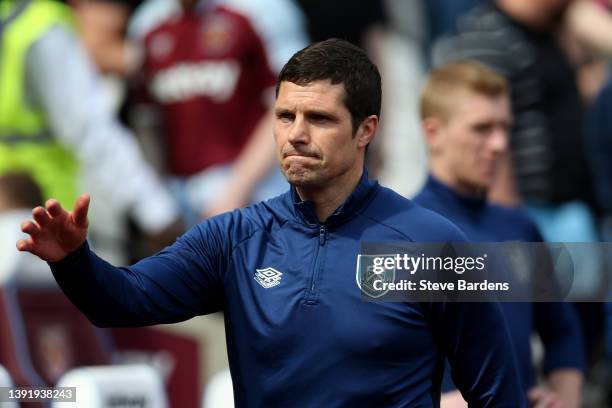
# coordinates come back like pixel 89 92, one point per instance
pixel 181 281
pixel 475 339
pixel 559 329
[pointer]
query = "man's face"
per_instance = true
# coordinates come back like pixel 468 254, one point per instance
pixel 468 145
pixel 313 134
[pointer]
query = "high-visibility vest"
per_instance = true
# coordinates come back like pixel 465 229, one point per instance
pixel 26 144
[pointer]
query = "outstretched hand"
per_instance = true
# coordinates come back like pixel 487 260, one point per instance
pixel 55 232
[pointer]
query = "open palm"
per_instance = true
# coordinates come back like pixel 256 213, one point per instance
pixel 55 232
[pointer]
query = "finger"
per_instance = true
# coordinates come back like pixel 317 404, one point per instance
pixel 25 245
pixel 41 216
pixel 53 207
pixel 81 207
pixel 30 228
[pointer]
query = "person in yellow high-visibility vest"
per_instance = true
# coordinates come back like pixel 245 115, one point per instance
pixel 25 141
pixel 56 124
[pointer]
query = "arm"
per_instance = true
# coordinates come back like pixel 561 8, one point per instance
pixel 254 162
pixel 567 384
pixel 592 24
pixel 178 283
pixel 101 26
pixel 564 360
pixel 475 339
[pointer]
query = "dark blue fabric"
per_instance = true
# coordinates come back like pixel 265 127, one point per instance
pixel 600 147
pixel 310 341
pixel 443 15
pixel 556 323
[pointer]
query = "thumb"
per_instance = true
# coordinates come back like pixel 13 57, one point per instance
pixel 81 207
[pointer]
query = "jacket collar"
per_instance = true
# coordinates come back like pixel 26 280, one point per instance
pixel 352 205
pixel 447 193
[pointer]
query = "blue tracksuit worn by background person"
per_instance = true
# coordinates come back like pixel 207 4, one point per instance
pixel 308 341
pixel 556 323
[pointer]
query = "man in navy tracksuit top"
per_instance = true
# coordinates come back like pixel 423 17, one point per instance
pixel 466 130
pixel 283 271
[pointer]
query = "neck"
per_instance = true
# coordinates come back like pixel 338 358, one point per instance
pixel 456 185
pixel 522 11
pixel 326 199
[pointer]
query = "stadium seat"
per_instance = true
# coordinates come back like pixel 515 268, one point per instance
pixel 111 386
pixel 6 381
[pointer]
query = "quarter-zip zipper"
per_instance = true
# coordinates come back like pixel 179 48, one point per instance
pixel 322 235
pixel 311 298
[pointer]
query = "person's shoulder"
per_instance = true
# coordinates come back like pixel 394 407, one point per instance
pixel 518 218
pixel 418 223
pixel 231 11
pixel 484 17
pixel 514 214
pixel 242 223
pixel 276 209
pixel 149 15
pixel 161 34
pixel 488 36
pixel 426 198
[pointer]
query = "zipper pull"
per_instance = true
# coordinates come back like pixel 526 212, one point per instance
pixel 322 233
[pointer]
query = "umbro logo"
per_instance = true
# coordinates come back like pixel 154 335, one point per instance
pixel 268 277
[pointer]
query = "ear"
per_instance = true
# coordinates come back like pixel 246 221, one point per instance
pixel 367 131
pixel 432 131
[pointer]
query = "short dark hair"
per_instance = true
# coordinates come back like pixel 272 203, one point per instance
pixel 342 63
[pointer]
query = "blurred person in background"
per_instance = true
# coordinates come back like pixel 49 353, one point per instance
pixel 518 39
pixel 547 169
pixel 209 68
pixel 466 118
pixel 55 123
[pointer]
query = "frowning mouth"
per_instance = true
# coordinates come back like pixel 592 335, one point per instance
pixel 297 154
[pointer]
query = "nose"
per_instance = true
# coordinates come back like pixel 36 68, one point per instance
pixel 298 133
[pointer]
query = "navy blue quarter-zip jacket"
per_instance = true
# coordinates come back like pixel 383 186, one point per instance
pixel 298 333
pixel 556 323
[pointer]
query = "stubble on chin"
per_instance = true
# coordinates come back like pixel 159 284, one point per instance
pixel 296 176
pixel 300 176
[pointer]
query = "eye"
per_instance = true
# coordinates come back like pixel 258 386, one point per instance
pixel 319 118
pixel 483 129
pixel 285 116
